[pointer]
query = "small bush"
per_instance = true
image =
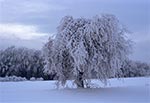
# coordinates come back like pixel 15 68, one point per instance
pixel 12 78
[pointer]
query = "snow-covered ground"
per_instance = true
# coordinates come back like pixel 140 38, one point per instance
pixel 129 90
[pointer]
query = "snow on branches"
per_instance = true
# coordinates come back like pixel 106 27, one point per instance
pixel 88 48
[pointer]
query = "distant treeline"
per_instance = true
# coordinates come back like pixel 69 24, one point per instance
pixel 22 62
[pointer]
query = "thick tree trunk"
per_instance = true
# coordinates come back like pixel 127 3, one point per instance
pixel 80 81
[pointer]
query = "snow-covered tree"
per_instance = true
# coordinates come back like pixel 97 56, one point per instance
pixel 6 61
pixel 21 62
pixel 86 47
pixel 132 68
pixel 48 59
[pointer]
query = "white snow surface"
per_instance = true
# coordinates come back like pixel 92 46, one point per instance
pixel 127 90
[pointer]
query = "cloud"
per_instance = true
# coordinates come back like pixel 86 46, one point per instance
pixel 41 7
pixel 34 19
pixel 141 47
pixel 141 51
pixel 23 32
pixel 33 44
pixel 28 6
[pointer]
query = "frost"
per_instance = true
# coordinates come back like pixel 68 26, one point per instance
pixel 86 47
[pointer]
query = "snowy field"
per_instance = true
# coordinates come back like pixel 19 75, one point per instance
pixel 129 90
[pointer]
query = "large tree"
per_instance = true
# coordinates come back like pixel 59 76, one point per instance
pixel 86 47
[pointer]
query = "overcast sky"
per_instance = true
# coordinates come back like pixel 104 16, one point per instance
pixel 30 22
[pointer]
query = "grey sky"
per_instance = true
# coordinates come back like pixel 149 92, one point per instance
pixel 43 16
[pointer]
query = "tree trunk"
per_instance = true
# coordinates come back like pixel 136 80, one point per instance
pixel 80 81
